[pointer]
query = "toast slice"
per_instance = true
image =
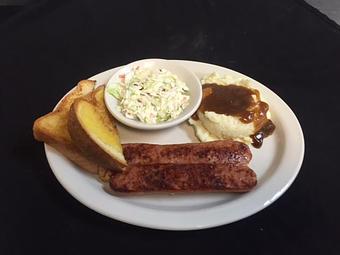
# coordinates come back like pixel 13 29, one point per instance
pixel 84 87
pixel 93 130
pixel 52 129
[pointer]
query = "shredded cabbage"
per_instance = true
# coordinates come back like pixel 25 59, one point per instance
pixel 150 96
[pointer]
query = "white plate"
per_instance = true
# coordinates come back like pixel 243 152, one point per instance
pixel 277 163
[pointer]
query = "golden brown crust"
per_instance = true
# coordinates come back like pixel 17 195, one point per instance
pixel 84 87
pixel 86 144
pixel 106 116
pixel 52 129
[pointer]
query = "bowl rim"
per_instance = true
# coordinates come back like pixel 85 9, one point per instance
pixel 194 104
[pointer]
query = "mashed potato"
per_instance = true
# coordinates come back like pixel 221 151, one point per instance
pixel 211 126
pixel 224 80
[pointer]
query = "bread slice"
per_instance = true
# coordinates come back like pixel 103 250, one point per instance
pixel 94 132
pixel 84 87
pixel 52 129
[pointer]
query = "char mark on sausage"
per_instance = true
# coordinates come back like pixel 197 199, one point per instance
pixel 217 152
pixel 184 178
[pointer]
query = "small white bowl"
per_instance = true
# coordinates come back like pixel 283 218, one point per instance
pixel 191 80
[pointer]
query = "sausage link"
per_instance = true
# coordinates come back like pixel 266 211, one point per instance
pixel 184 177
pixel 217 152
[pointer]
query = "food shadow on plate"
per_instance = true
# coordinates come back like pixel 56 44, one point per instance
pixel 164 136
pixel 179 201
pixel 107 189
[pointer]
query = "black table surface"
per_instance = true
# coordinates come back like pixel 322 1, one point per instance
pixel 49 46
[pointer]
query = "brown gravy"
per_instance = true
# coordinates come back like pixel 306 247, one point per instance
pixel 266 130
pixel 241 102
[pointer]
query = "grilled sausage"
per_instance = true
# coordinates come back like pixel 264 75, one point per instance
pixel 218 152
pixel 184 178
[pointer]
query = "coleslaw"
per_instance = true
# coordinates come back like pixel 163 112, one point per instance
pixel 150 96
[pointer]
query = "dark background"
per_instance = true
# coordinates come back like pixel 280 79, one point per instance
pixel 46 47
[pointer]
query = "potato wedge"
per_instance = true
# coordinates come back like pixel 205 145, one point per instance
pixel 93 130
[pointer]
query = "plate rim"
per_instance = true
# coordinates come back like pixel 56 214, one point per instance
pixel 49 151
